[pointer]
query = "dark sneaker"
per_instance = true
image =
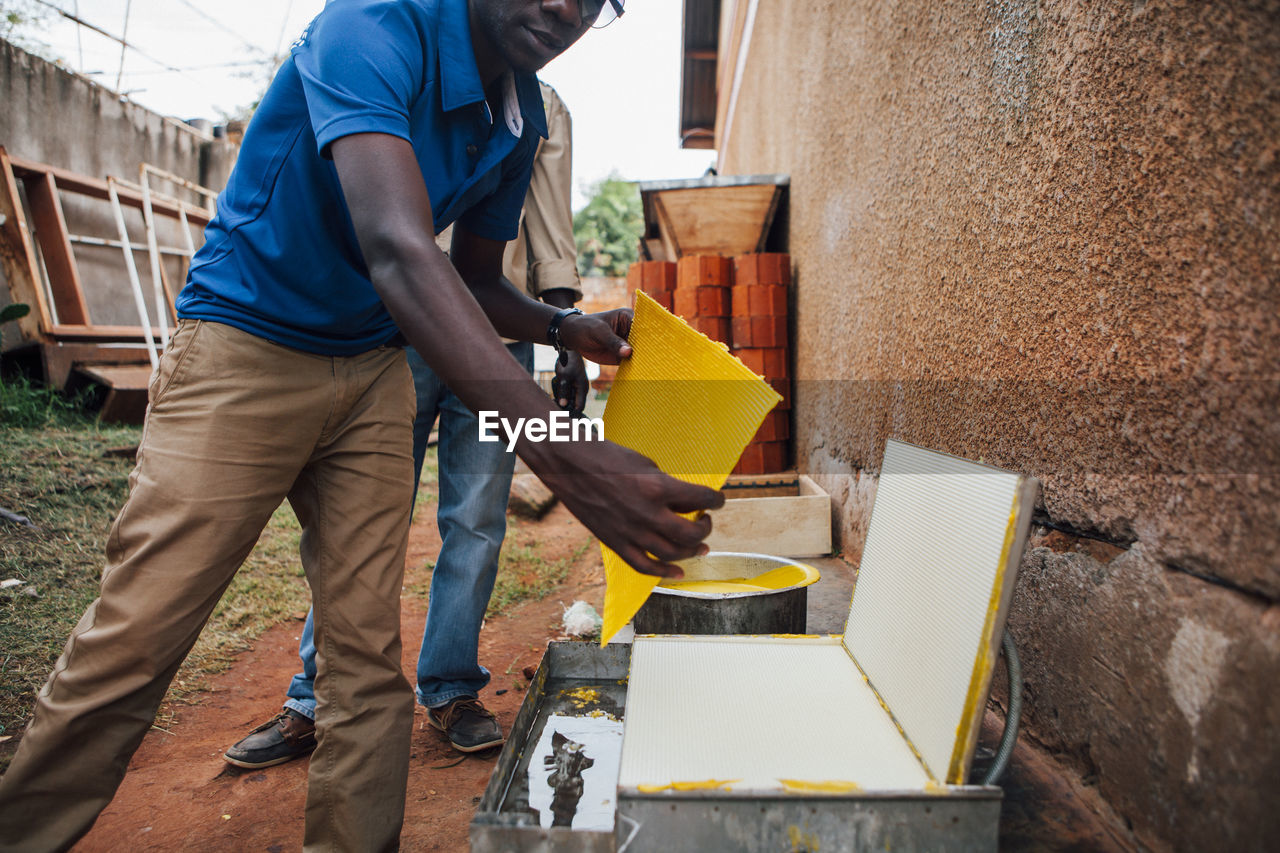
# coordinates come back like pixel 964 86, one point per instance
pixel 469 727
pixel 288 736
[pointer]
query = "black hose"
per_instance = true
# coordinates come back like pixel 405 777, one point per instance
pixel 1010 736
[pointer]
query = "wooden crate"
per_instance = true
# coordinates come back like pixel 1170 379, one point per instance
pixel 713 215
pixel 784 515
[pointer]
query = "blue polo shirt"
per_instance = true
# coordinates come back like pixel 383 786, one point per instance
pixel 280 258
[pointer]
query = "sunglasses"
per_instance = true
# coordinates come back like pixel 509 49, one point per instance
pixel 600 13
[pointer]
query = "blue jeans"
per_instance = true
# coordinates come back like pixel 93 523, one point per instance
pixel 475 481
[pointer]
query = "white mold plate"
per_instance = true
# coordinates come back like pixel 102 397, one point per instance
pixel 930 565
pixel 753 711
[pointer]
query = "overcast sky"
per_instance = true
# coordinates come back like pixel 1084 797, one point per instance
pixel 621 83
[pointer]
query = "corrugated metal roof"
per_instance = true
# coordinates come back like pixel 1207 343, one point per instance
pixel 701 38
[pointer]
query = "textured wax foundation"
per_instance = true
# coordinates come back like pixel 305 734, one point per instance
pixel 558 426
pixel 682 400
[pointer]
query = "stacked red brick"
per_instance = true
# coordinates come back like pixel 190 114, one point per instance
pixel 741 302
pixel 655 278
pixel 702 295
pixel 759 340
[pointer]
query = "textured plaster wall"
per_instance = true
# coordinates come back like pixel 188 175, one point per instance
pixel 58 118
pixel 1045 234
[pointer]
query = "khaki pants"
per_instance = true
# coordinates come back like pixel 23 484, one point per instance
pixel 236 425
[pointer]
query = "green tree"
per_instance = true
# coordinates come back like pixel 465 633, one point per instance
pixel 19 19
pixel 608 229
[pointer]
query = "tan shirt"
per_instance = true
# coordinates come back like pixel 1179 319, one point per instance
pixel 544 255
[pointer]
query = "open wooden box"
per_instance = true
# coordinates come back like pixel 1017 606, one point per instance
pixel 786 515
pixel 835 743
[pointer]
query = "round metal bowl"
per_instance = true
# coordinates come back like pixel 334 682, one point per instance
pixel 717 596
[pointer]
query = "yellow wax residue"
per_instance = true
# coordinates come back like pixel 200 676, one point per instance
pixel 801 840
pixel 581 697
pixel 983 666
pixel 598 714
pixel 702 785
pixel 685 402
pixel 826 786
pixel 782 577
pixel 933 787
pixel 714 586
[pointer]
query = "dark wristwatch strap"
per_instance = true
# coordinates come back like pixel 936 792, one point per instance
pixel 553 330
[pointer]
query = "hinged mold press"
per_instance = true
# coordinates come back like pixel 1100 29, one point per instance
pixel 764 743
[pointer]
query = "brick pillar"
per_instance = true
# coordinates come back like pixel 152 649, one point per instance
pixel 702 294
pixel 655 278
pixel 759 339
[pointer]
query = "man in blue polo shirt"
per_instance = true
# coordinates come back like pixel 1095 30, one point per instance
pixel 285 379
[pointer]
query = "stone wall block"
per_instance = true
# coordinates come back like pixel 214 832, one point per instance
pixel 1140 676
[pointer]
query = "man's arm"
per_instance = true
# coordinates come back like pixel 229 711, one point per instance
pixel 618 494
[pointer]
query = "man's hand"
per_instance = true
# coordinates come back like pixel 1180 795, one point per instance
pixel 600 337
pixel 625 500
pixel 571 384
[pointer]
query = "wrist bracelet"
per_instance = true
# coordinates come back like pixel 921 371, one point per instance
pixel 553 330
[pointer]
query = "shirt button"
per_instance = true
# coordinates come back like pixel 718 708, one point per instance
pixel 472 150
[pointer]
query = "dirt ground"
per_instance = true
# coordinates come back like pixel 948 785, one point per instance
pixel 180 795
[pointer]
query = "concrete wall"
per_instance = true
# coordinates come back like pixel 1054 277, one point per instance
pixel 1045 234
pixel 52 116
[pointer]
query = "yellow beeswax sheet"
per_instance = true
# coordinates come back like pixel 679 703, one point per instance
pixel 682 400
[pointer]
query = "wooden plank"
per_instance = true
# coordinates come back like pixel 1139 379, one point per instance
pixel 169 296
pixel 133 376
pixel 125 399
pixel 654 250
pixel 781 526
pixel 101 333
pixel 18 255
pixel 666 231
pixel 789 478
pixel 55 247
pixel 94 188
pixel 784 484
pixel 723 220
pixel 59 357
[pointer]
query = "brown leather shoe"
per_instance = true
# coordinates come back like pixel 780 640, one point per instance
pixel 469 726
pixel 287 736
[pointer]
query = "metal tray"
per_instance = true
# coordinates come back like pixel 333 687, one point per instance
pixel 504 821
pixel 965 818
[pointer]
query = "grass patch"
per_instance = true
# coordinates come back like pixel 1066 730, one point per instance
pixel 56 475
pixel 25 405
pixel 524 574
pixel 58 478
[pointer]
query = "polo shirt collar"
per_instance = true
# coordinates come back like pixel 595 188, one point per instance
pixel 460 78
